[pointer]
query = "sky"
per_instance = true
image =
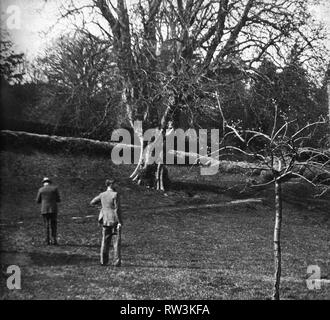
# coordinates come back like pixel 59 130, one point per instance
pixel 29 21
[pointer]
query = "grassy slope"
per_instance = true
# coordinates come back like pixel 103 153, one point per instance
pixel 223 253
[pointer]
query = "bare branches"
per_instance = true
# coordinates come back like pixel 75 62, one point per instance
pixel 309 125
pixel 218 29
pixel 106 12
pixel 280 153
pixel 236 30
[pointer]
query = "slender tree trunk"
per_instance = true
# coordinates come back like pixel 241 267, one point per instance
pixel 277 239
pixel 134 175
pixel 160 177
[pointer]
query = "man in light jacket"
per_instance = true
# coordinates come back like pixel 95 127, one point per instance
pixel 110 219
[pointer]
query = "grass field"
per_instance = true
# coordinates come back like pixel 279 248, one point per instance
pixel 172 248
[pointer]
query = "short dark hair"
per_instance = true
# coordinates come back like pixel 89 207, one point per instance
pixel 109 182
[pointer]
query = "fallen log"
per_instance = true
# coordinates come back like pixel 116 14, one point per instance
pixel 53 144
pixel 20 140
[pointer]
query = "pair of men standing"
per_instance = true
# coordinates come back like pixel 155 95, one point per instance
pixel 109 217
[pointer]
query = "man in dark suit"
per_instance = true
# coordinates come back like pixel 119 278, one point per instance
pixel 110 219
pixel 49 196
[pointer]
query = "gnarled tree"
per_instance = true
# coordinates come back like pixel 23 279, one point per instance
pixel 168 51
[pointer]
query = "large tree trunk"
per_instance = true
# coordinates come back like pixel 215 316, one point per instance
pixel 151 174
pixel 277 239
pixel 139 79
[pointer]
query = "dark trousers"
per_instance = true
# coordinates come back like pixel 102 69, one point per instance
pixel 108 234
pixel 50 222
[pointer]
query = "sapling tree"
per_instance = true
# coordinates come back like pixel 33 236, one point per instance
pixel 286 153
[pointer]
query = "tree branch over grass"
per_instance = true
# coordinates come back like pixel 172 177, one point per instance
pixel 283 154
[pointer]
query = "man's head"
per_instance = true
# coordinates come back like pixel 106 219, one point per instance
pixel 46 180
pixel 110 183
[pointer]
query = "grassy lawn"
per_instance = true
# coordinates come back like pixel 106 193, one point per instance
pixel 215 253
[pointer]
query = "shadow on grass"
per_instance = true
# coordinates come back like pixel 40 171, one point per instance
pixel 44 259
pixel 68 244
pixel 171 266
pixel 95 245
pixel 239 191
pixel 193 187
pixel 59 259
